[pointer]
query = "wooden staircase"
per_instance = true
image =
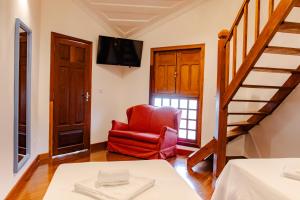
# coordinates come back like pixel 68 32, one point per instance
pixel 226 91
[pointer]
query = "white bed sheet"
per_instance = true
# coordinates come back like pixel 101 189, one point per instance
pixel 257 179
pixel 168 184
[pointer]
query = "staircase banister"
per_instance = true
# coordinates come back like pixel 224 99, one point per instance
pixel 272 26
pixel 225 92
pixel 237 20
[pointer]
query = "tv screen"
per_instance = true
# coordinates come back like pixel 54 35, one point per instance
pixel 118 51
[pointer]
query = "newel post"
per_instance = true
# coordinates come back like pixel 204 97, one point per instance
pixel 221 113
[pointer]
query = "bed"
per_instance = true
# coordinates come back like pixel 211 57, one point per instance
pixel 168 185
pixel 257 179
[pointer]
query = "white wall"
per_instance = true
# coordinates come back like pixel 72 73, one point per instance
pixel 29 12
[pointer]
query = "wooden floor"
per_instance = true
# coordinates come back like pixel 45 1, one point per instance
pixel 35 187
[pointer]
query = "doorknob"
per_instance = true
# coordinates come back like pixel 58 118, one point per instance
pixel 86 96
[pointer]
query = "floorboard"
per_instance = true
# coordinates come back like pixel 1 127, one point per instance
pixel 201 179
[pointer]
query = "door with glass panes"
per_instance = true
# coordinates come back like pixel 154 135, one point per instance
pixel 176 80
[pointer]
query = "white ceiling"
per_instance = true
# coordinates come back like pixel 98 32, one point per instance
pixel 128 17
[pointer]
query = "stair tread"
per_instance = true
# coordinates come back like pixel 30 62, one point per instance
pixel 275 70
pixel 290 27
pixel 265 86
pixel 282 50
pixel 231 134
pixel 244 123
pixel 253 100
pixel 248 113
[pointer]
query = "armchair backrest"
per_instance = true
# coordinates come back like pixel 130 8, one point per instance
pixel 151 119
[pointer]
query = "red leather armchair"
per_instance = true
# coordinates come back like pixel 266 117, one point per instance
pixel 151 133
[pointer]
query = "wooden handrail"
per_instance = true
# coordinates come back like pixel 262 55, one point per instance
pixel 278 16
pixel 243 13
pixel 237 20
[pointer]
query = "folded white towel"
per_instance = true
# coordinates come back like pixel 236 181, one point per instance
pixel 112 177
pixel 129 191
pixel 292 171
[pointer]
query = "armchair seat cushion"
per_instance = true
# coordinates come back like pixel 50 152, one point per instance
pixel 139 136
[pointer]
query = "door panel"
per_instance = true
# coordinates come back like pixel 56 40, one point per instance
pixel 71 83
pixel 68 138
pixel 165 68
pixel 189 69
pixel 62 95
pixel 77 96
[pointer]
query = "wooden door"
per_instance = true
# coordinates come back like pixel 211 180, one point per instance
pixel 71 90
pixel 176 75
pixel 189 72
pixel 165 72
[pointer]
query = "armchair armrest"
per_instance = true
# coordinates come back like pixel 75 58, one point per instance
pixel 168 137
pixel 119 126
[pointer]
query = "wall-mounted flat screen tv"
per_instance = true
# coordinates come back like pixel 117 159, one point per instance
pixel 119 51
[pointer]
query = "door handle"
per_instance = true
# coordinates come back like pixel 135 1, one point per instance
pixel 86 96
